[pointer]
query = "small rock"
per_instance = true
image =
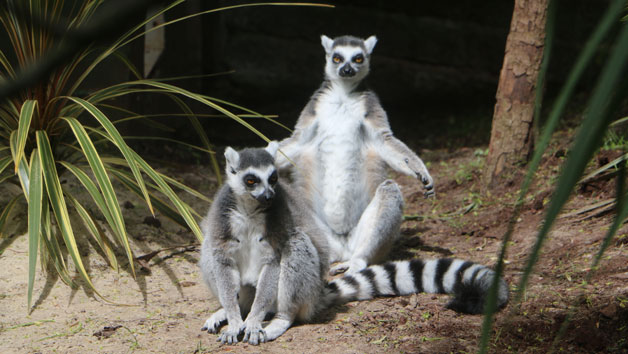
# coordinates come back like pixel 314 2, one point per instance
pixel 609 310
pixel 152 221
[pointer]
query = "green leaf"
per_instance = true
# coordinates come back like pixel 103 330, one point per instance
pixel 26 116
pixel 110 199
pixel 604 100
pixel 202 100
pixel 4 162
pixel 170 180
pixel 160 205
pixel 202 135
pixel 50 244
pixel 183 208
pixel 5 213
pixel 35 194
pixel 93 191
pixel 95 231
pixel 59 208
pixel 558 108
pixel 119 142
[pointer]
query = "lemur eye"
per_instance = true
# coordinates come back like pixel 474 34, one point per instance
pixel 273 178
pixel 250 180
pixel 358 59
pixel 337 58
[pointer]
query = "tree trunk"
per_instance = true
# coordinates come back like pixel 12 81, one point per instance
pixel 511 135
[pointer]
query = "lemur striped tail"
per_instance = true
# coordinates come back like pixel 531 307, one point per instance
pixel 466 281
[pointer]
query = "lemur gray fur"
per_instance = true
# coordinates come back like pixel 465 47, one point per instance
pixel 341 147
pixel 265 253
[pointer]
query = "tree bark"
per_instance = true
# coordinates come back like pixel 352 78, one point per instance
pixel 511 134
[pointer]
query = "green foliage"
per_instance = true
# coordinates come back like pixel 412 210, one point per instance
pixel 50 129
pixel 610 89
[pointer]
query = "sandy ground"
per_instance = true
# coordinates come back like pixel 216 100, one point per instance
pixel 164 307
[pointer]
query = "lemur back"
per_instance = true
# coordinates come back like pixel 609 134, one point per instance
pixel 264 254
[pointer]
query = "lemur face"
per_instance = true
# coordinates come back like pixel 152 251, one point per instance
pixel 347 57
pixel 251 173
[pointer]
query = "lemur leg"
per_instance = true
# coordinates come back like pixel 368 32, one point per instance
pixel 299 285
pixel 371 240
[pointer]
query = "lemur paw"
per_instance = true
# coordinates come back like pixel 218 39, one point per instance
pixel 215 321
pixel 428 184
pixel 350 267
pixel 230 335
pixel 253 332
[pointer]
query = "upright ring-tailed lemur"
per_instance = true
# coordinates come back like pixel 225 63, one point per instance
pixel 341 146
pixel 265 253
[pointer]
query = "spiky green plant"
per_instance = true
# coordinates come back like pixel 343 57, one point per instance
pixel 610 90
pixel 49 129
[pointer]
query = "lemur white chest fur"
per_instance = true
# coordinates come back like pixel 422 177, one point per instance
pixel 250 251
pixel 340 155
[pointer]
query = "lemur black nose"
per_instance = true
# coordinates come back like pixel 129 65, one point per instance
pixel 346 71
pixel 266 198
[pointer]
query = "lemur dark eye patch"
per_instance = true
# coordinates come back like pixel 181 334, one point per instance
pixel 251 180
pixel 359 59
pixel 337 58
pixel 273 178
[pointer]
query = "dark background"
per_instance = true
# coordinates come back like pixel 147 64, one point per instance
pixel 435 66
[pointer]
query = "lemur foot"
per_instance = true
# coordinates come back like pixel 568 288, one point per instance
pixel 215 321
pixel 253 333
pixel 350 267
pixel 230 335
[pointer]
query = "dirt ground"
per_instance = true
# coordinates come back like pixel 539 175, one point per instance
pixel 163 309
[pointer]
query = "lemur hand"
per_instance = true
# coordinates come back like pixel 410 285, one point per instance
pixel 421 174
pixel 428 184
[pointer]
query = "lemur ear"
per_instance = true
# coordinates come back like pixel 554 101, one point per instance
pixel 272 148
pixel 233 160
pixel 369 44
pixel 328 43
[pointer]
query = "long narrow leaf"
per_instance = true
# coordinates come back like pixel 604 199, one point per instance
pixel 589 137
pixel 26 116
pixel 106 188
pixel 51 245
pixel 59 208
pixel 93 191
pixel 202 100
pixel 198 128
pixel 183 209
pixel 95 231
pixel 4 162
pixel 35 194
pixel 4 216
pixel 160 205
pixel 118 141
pixel 22 174
pixel 558 108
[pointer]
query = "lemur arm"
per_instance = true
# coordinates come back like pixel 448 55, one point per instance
pixel 392 150
pixel 290 146
pixel 228 286
pixel 265 297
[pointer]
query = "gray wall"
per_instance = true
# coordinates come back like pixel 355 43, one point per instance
pixel 435 66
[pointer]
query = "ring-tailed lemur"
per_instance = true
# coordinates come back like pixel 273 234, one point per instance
pixel 264 253
pixel 341 147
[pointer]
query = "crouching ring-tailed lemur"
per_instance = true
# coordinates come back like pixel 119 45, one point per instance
pixel 265 253
pixel 341 147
